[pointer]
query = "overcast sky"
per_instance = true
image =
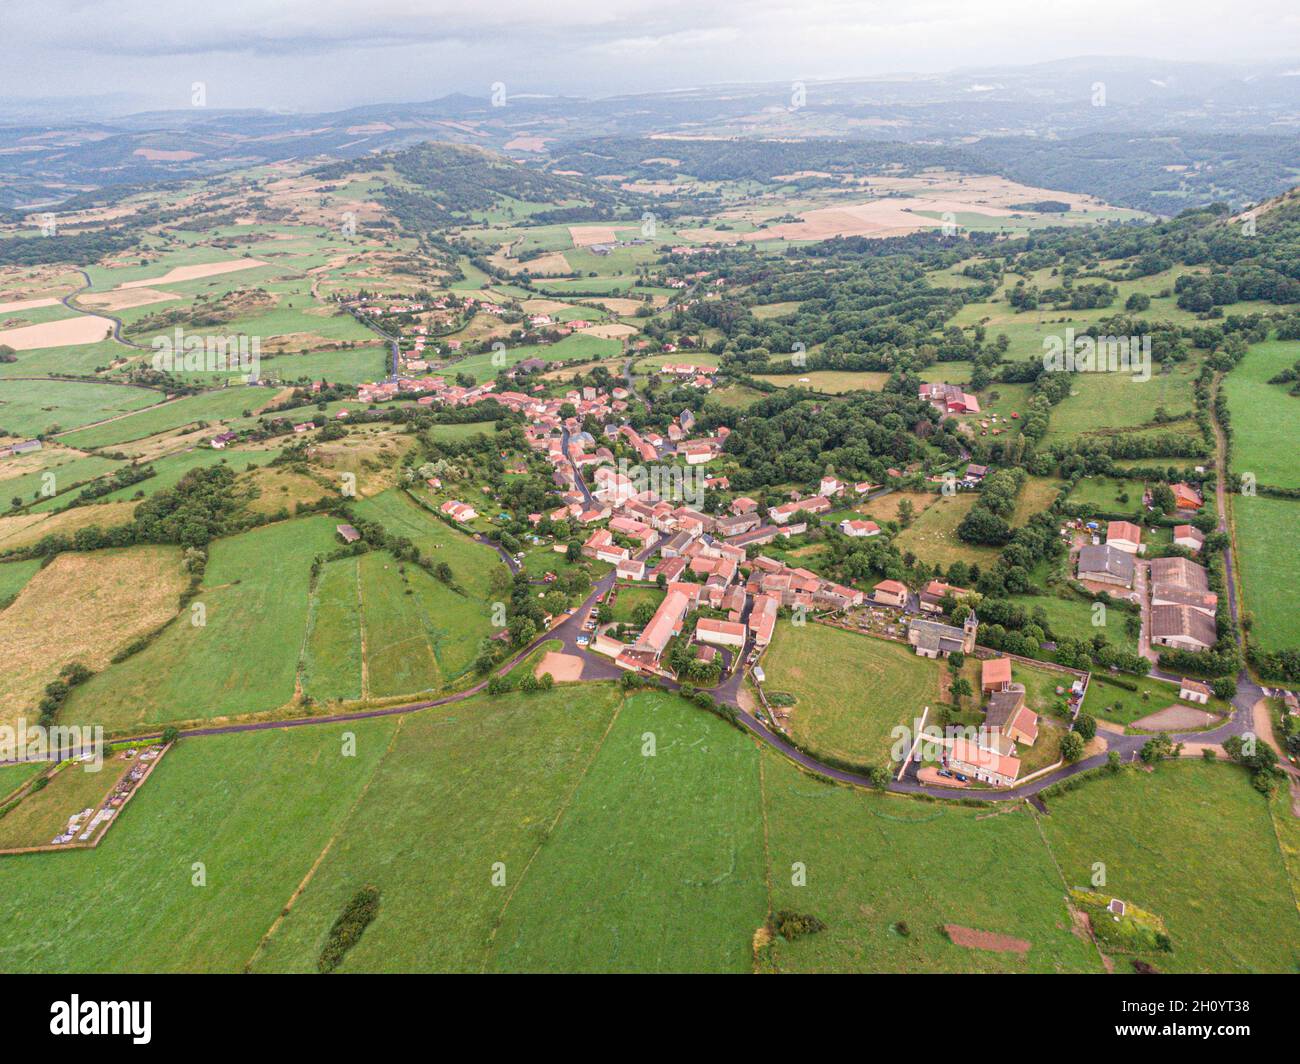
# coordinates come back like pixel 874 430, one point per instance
pixel 328 54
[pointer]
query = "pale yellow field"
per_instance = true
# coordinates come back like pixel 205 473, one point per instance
pixel 195 273
pixel 67 332
pixel 23 530
pixel 83 608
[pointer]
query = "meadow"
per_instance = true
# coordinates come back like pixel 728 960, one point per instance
pixel 462 789
pixel 657 863
pixel 1262 413
pixel 1194 844
pixel 852 690
pixel 1110 702
pixel 212 810
pixel 221 405
pixel 34 407
pixel 82 608
pixel 1268 567
pixel 242 659
pixel 932 536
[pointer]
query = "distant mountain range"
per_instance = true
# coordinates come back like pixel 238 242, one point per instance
pixel 1061 119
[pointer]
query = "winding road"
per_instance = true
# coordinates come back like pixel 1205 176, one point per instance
pixel 727 692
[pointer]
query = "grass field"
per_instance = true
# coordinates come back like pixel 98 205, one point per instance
pixel 629 598
pixel 1124 707
pixel 14 577
pixel 31 407
pixel 1194 844
pixel 1072 619
pixel 1036 496
pixel 932 536
pixel 885 874
pixel 1109 494
pixel 132 904
pixel 462 789
pixel 830 381
pixel 853 690
pixel 1110 401
pixel 243 659
pixel 82 608
pixel 1269 568
pixel 220 405
pixel 1262 413
pixel 332 666
pixel 657 864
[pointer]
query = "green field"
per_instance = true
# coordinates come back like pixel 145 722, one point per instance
pixel 254 810
pixel 1263 414
pixel 874 863
pixel 1071 618
pixel 852 690
pixel 1269 568
pixel 244 659
pixel 932 536
pixel 1124 707
pixel 1194 844
pixel 14 577
pixel 32 407
pixel 215 406
pixel 462 789
pixel 674 882
pixel 1099 402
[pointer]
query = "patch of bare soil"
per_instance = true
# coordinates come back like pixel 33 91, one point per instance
pixel 1175 718
pixel 986 940
pixel 564 668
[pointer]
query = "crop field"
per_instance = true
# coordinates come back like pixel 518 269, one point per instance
pixel 830 381
pixel 853 690
pixel 22 530
pixel 1212 840
pixel 243 658
pixel 932 536
pixel 31 407
pixel 1269 567
pixel 1263 413
pixel 82 608
pixel 462 789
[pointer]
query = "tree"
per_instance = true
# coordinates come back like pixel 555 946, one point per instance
pixel 1086 727
pixel 960 689
pixel 1072 746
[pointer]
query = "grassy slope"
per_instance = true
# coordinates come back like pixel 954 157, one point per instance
pixel 658 862
pixel 852 689
pixel 463 788
pixel 256 809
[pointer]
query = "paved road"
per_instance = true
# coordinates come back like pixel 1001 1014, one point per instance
pixel 67 301
pixel 596 667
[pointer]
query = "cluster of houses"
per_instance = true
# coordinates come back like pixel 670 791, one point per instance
pixel 990 755
pixel 949 398
pixel 1182 605
pixel 21 447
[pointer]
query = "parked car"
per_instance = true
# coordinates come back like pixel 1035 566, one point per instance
pixel 945 773
pixel 961 778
